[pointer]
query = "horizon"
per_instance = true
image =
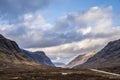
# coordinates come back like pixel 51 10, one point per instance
pixel 63 29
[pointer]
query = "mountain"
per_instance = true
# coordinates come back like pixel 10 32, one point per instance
pixel 38 56
pixel 13 57
pixel 109 56
pixel 11 53
pixel 79 60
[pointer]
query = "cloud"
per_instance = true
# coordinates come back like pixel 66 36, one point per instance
pixel 83 32
pixel 30 30
pixel 68 29
pixel 14 8
pixel 70 35
pixel 67 52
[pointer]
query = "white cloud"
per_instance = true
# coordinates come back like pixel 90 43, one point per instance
pixel 71 35
pixel 85 30
pixel 66 52
pixel 28 32
pixel 36 22
pixel 97 26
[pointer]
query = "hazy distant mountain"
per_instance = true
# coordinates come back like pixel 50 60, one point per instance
pixel 59 64
pixel 80 60
pixel 109 56
pixel 38 56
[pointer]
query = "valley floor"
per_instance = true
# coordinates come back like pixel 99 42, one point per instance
pixel 111 69
pixel 53 74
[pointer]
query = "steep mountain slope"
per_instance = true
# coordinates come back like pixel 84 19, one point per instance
pixel 109 56
pixel 80 60
pixel 11 56
pixel 38 56
pixel 10 51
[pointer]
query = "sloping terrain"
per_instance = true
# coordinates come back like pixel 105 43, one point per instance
pixel 10 52
pixel 38 56
pixel 12 56
pixel 109 56
pixel 80 60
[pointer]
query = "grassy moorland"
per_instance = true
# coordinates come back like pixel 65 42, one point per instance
pixel 111 69
pixel 52 74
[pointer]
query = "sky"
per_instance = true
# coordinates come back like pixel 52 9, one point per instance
pixel 62 29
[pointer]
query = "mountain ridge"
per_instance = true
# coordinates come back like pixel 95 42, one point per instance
pixel 79 60
pixel 38 56
pixel 109 56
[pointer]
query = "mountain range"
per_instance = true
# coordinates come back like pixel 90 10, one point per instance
pixel 12 55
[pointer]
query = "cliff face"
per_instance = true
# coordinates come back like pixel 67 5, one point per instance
pixel 109 56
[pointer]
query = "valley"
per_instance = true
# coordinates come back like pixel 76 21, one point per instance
pixel 59 39
pixel 19 64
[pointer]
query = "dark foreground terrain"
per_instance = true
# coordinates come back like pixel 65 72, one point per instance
pixel 53 74
pixel 113 69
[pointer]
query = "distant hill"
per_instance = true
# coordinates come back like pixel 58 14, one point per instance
pixel 79 60
pixel 38 56
pixel 109 56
